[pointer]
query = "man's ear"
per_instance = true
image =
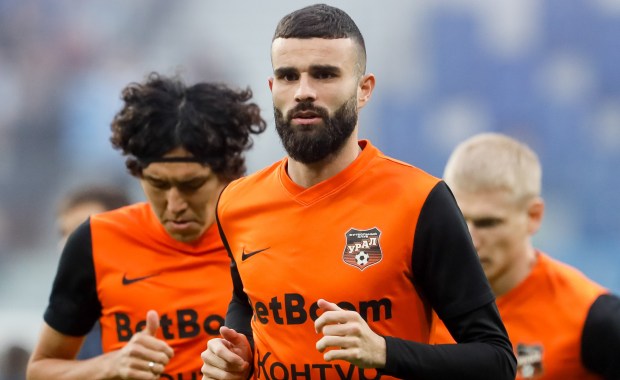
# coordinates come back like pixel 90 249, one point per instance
pixel 270 81
pixel 535 212
pixel 364 91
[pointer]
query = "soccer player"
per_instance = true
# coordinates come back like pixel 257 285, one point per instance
pixel 77 205
pixel 73 209
pixel 155 274
pixel 562 325
pixel 339 252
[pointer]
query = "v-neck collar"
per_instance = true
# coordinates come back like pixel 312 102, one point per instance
pixel 315 193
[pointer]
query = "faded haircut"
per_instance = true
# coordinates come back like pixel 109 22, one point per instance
pixel 491 162
pixel 323 21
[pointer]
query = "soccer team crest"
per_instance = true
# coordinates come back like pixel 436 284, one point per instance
pixel 362 248
pixel 529 360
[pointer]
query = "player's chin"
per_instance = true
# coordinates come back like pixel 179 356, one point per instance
pixel 185 235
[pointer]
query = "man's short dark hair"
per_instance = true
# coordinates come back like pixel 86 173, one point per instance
pixel 211 121
pixel 108 196
pixel 322 21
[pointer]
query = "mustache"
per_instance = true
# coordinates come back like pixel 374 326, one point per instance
pixel 307 106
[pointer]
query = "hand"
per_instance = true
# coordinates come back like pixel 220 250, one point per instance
pixel 229 357
pixel 132 361
pixel 349 337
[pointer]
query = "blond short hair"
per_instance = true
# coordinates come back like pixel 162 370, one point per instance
pixel 493 161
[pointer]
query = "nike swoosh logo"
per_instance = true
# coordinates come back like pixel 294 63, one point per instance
pixel 128 281
pixel 245 256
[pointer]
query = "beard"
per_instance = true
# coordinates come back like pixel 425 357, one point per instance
pixel 309 144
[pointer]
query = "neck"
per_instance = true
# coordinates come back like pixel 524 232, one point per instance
pixel 308 175
pixel 517 274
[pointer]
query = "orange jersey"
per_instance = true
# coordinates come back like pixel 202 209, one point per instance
pixel 348 240
pixel 131 266
pixel 544 316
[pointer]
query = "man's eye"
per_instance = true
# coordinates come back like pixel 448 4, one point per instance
pixel 160 185
pixel 325 75
pixel 191 186
pixel 290 77
pixel 487 223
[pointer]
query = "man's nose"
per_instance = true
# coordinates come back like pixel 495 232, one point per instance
pixel 305 89
pixel 176 201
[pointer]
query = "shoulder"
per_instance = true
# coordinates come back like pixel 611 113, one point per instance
pixel 569 279
pixel 246 188
pixel 402 173
pixel 134 212
pixel 255 178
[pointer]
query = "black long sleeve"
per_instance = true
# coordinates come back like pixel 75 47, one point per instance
pixel 483 342
pixel 448 273
pixel 239 313
pixel 600 342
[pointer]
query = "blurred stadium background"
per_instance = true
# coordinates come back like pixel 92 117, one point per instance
pixel 547 72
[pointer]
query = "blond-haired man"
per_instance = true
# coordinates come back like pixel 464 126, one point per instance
pixel 562 325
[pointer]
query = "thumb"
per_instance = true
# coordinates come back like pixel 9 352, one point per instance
pixel 328 306
pixel 152 322
pixel 237 343
pixel 232 336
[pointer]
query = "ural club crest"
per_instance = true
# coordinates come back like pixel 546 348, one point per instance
pixel 362 249
pixel 529 360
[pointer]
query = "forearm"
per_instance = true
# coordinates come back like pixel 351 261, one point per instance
pixel 54 358
pixel 239 313
pixel 479 361
pixel 97 368
pixel 483 351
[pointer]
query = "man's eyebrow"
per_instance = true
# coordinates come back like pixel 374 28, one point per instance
pixel 280 71
pixel 183 181
pixel 325 68
pixel 150 177
pixel 194 179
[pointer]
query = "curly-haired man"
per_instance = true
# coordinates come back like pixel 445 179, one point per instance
pixel 154 274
